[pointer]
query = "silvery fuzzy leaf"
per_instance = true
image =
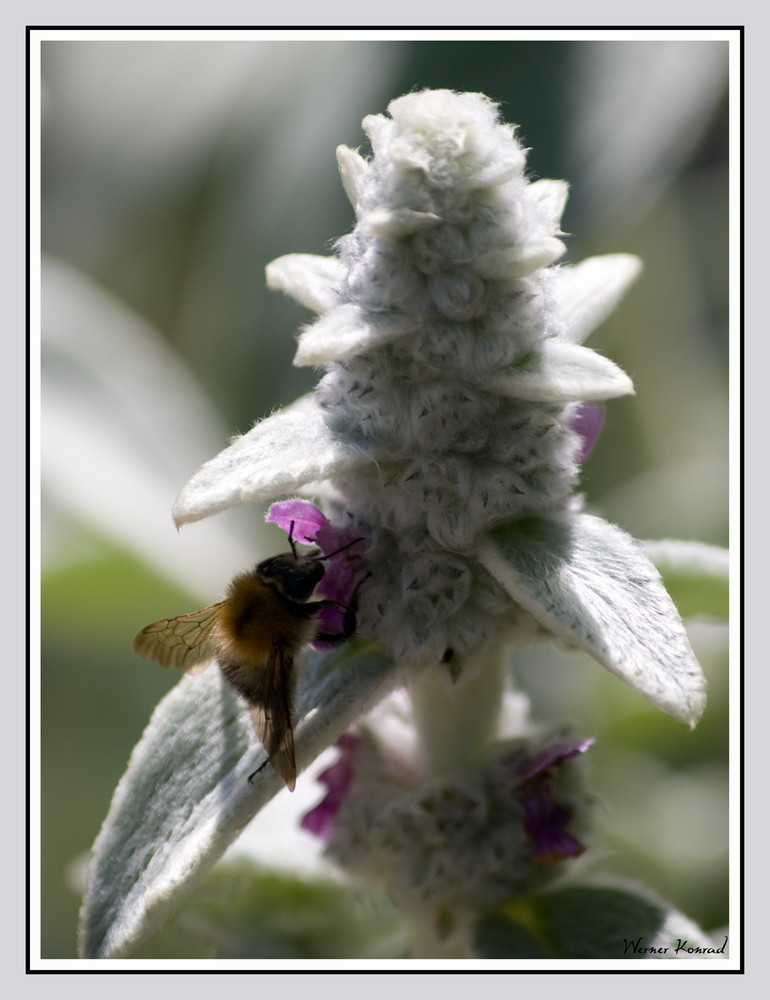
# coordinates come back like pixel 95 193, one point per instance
pixel 395 223
pixel 592 921
pixel 645 142
pixel 519 260
pixel 353 169
pixel 277 456
pixel 586 294
pixel 308 278
pixel 551 197
pixel 108 382
pixel 592 586
pixel 346 332
pixel 185 795
pixel 561 372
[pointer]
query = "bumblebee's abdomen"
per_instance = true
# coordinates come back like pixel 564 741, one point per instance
pixel 255 620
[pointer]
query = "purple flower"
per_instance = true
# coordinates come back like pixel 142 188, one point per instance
pixel 337 779
pixel 587 420
pixel 309 525
pixel 545 821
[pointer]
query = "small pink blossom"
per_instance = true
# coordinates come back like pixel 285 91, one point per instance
pixel 337 778
pixel 587 420
pixel 309 525
pixel 545 820
pixel 300 517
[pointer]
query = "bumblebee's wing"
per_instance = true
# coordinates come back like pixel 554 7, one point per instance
pixel 272 719
pixel 186 641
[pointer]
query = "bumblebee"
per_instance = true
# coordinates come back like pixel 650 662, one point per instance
pixel 255 634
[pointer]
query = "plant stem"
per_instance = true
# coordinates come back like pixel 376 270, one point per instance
pixel 456 722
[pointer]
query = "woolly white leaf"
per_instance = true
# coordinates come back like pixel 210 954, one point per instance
pixel 551 197
pixel 345 332
pixel 394 223
pixel 561 373
pixel 520 260
pixel 308 278
pixel 277 456
pixel 566 918
pixel 353 169
pixel 684 939
pixel 590 584
pixel 108 383
pixel 186 796
pixel 588 292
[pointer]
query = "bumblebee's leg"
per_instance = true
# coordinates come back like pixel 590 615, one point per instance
pixel 348 624
pixel 349 621
pixel 261 767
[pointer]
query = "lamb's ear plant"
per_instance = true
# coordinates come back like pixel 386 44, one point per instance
pixel 456 402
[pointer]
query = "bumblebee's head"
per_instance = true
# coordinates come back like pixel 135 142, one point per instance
pixel 293 576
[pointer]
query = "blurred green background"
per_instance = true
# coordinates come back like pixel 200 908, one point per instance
pixel 172 172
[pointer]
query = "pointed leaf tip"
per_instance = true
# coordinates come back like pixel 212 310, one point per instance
pixel 589 291
pixel 562 372
pixel 348 331
pixel 309 279
pixel 353 169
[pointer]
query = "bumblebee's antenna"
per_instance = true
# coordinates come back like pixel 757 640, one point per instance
pixel 340 549
pixel 328 555
pixel 293 546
